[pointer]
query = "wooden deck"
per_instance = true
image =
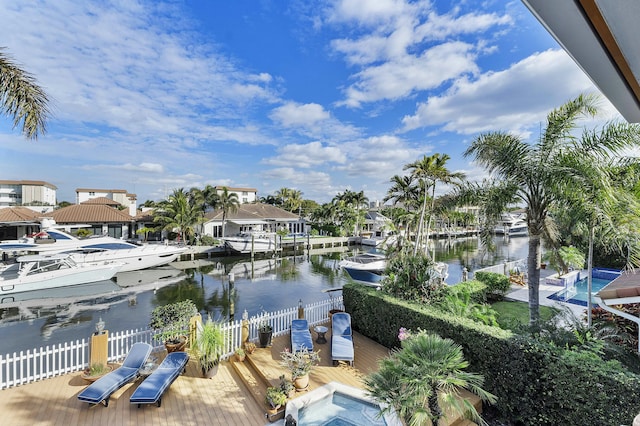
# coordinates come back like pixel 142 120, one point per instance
pixel 191 400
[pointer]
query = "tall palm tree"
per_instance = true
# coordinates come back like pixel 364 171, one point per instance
pixel 403 191
pixel 178 213
pixel 545 170
pixel 359 200
pixel 429 171
pixel 228 203
pixel 21 99
pixel 424 378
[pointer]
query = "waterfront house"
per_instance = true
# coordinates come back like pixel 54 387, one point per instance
pixel 120 196
pixel 16 222
pixel 100 219
pixel 252 218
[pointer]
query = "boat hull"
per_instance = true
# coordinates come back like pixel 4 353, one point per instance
pixel 363 275
pixel 61 278
pixel 135 259
pixel 249 245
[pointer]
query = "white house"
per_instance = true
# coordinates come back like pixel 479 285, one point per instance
pixel 245 195
pixel 27 192
pixel 252 218
pixel 120 196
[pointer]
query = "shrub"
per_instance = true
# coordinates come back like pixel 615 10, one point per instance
pixel 172 319
pixel 497 284
pixel 411 277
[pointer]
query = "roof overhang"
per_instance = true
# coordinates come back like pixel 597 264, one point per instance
pixel 248 221
pixel 601 37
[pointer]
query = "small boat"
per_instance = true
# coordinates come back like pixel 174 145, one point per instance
pixel 251 243
pixel 39 272
pixel 512 226
pixel 367 268
pixel 97 249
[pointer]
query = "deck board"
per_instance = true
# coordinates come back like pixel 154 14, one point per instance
pixel 191 400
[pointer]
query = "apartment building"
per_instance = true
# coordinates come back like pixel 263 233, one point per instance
pixel 27 192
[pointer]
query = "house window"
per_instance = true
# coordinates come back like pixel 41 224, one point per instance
pixel 92 194
pixel 245 194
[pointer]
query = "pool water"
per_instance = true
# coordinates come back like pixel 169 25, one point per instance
pixel 339 409
pixel 579 297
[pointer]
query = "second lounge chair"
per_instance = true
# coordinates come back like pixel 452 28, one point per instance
pixel 153 387
pixel 341 338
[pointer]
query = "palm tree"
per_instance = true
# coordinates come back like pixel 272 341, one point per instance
pixel 178 213
pixel 403 191
pixel 359 200
pixel 21 99
pixel 424 378
pixel 228 203
pixel 544 171
pixel 429 171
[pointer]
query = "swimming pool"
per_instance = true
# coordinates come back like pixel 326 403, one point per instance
pixel 336 404
pixel 578 294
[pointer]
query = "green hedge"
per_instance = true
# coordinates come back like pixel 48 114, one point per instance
pixel 536 382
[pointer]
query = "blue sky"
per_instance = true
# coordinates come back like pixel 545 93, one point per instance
pixel 320 96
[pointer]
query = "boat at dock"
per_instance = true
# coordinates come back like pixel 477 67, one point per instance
pixel 40 272
pixel 367 267
pixel 96 249
pixel 251 243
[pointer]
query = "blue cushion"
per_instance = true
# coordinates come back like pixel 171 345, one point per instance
pixel 300 335
pixel 342 348
pixel 341 324
pixel 151 389
pixel 101 389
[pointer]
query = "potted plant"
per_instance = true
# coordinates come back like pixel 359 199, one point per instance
pixel 287 387
pixel 300 365
pixel 208 346
pixel 95 371
pixel 249 347
pixel 173 322
pixel 265 331
pixel 275 399
pixel 240 354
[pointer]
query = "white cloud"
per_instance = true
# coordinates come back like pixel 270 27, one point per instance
pixel 513 99
pixel 307 155
pixel 293 114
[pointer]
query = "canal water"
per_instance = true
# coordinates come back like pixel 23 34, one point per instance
pixel 69 314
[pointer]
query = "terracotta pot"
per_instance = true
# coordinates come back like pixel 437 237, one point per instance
pixel 176 347
pixel 301 383
pixel 240 358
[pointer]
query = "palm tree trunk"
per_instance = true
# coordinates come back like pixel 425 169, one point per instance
pixel 434 408
pixel 420 226
pixel 533 268
pixel 433 202
pixel 589 279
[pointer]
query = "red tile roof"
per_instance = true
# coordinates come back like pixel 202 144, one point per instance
pixel 101 200
pixel 90 213
pixel 19 214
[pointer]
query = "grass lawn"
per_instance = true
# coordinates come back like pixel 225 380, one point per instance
pixel 514 312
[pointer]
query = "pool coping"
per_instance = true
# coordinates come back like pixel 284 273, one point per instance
pixel 295 405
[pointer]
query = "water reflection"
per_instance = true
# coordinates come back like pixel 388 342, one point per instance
pixel 224 287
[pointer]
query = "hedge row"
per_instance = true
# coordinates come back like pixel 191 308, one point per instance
pixel 536 383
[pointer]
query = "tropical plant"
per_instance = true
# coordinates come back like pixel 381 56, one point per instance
pixel 546 171
pixel 286 385
pixel 228 203
pixel 172 319
pixel 178 213
pixel 208 344
pixel 428 171
pixel 275 397
pixel 412 277
pixel 22 99
pixel 299 363
pixel 423 379
pixel 249 347
pixel 564 259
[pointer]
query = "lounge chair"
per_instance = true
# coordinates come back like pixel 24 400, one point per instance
pixel 151 389
pixel 101 390
pixel 341 338
pixel 300 336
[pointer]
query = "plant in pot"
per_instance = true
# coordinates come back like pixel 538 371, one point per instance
pixel 240 354
pixel 287 387
pixel 208 346
pixel 173 322
pixel 265 331
pixel 300 365
pixel 249 347
pixel 275 399
pixel 95 371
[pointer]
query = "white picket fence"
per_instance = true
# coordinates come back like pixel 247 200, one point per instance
pixel 40 363
pixel 504 268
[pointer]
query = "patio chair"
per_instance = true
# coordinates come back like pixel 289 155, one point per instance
pixel 341 338
pixel 300 336
pixel 153 387
pixel 101 390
